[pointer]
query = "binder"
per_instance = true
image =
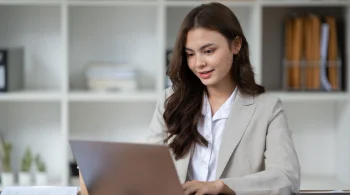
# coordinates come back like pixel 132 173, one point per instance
pixel 312 61
pixel 288 49
pixel 308 53
pixel 332 53
pixel 11 69
pixel 315 51
pixel 294 52
pixel 326 86
pixel 3 67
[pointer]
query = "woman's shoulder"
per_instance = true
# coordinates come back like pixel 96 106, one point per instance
pixel 164 94
pixel 267 99
pixel 168 92
pixel 268 105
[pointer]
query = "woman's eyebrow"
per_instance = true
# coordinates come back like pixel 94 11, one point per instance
pixel 203 47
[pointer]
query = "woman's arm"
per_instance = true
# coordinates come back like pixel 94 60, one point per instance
pixel 157 125
pixel 282 169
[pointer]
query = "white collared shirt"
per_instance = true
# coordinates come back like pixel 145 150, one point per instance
pixel 203 163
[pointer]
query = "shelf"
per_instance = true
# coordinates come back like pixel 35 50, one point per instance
pixel 30 2
pixel 273 41
pixel 113 97
pixel 305 3
pixel 30 96
pixel 36 125
pixel 35 30
pixel 102 35
pixel 196 3
pixel 305 96
pixel 110 121
pixel 309 182
pixel 111 3
pixel 50 183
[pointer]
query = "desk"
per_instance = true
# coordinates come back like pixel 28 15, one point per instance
pixel 306 193
pixel 314 192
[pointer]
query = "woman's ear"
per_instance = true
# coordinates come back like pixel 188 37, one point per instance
pixel 236 45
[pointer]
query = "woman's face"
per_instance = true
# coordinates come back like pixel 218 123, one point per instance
pixel 210 56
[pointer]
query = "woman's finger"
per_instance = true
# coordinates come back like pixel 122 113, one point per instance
pixel 200 192
pixel 192 188
pixel 187 184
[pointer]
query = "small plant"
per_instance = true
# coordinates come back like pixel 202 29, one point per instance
pixel 26 161
pixel 41 167
pixel 6 158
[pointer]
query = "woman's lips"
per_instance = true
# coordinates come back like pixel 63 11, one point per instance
pixel 206 74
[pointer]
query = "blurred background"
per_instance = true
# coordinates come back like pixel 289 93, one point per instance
pixel 93 70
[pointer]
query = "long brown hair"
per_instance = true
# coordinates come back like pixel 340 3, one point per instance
pixel 183 107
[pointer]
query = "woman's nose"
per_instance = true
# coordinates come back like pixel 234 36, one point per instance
pixel 200 62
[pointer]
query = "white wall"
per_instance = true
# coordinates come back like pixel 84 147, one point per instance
pixel 125 122
pixel 37 30
pixel 115 35
pixel 314 133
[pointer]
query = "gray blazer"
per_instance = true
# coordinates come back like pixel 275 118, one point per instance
pixel 257 154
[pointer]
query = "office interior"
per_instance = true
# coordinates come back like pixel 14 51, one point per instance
pixel 94 69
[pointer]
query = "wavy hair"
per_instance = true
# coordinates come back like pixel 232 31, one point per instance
pixel 183 107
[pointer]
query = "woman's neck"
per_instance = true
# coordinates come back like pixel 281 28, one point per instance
pixel 218 95
pixel 221 92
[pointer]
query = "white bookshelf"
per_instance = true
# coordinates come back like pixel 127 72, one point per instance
pixel 302 3
pixel 31 96
pixel 30 2
pixel 113 3
pixel 293 97
pixel 195 3
pixel 62 36
pixel 145 96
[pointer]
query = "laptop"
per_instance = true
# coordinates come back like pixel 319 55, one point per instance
pixel 113 168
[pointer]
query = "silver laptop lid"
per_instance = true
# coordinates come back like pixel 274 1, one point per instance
pixel 111 168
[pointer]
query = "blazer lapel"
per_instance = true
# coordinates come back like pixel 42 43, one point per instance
pixel 182 167
pixel 241 113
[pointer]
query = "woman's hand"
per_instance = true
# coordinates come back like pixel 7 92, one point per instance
pixel 200 188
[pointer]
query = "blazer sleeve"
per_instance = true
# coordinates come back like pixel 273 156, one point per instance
pixel 282 169
pixel 157 131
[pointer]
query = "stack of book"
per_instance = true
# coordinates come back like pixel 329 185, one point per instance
pixel 312 61
pixel 111 77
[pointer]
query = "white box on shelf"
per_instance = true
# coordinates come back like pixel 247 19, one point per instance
pixel 109 77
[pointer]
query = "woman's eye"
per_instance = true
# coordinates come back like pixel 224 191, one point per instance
pixel 209 51
pixel 189 55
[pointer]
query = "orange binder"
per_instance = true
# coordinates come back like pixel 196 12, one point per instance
pixel 288 49
pixel 295 52
pixel 315 38
pixel 308 53
pixel 332 52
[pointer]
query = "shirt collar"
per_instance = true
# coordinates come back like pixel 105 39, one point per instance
pixel 206 110
pixel 224 110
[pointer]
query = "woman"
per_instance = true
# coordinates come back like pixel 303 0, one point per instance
pixel 227 136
